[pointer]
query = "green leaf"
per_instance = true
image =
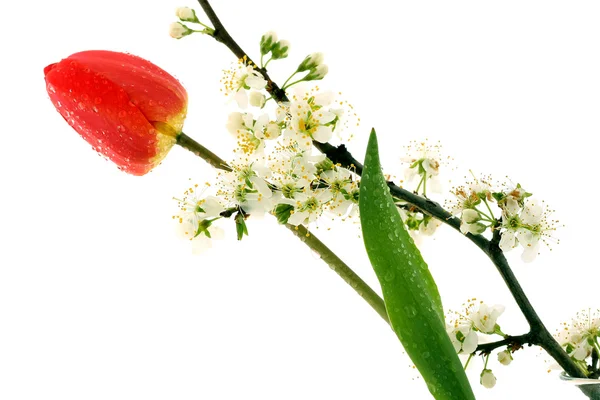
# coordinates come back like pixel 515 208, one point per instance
pixel 498 196
pixel 283 212
pixel 409 291
pixel 240 226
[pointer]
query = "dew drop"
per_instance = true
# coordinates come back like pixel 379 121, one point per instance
pixel 411 311
pixel 389 276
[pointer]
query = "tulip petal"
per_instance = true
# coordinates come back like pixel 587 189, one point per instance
pixel 158 95
pixel 103 114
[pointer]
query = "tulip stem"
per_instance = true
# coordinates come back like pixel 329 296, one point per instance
pixel 190 144
pixel 342 269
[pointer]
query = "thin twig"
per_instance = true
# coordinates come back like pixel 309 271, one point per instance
pixel 221 35
pixel 512 342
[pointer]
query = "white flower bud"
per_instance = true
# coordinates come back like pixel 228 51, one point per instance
pixel 474 229
pixel 504 357
pixel 270 36
pixel 267 41
pixel 470 216
pixel 317 73
pixel 280 49
pixel 316 59
pixel 177 30
pixel 186 14
pixel 311 62
pixel 487 379
pixel 256 99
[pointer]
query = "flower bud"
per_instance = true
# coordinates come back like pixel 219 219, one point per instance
pixel 186 14
pixel 267 41
pixel 317 73
pixel 311 62
pixel 487 379
pixel 504 357
pixel 474 229
pixel 470 216
pixel 280 49
pixel 127 108
pixel 177 30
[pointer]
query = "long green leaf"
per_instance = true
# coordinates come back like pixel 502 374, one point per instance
pixel 409 291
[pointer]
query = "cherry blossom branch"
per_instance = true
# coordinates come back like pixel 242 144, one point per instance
pixel 306 237
pixel 539 334
pixel 538 331
pixel 221 35
pixel 513 342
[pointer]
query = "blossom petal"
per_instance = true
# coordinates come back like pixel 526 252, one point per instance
pixel 323 134
pixel 470 343
pixel 297 218
pixel 507 241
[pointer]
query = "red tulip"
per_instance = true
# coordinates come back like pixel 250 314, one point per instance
pixel 127 108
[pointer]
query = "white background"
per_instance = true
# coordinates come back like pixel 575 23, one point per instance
pixel 99 299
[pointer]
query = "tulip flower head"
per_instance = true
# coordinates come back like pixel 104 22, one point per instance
pixel 127 108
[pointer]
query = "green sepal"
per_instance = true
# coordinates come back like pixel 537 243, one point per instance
pixel 240 226
pixel 283 212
